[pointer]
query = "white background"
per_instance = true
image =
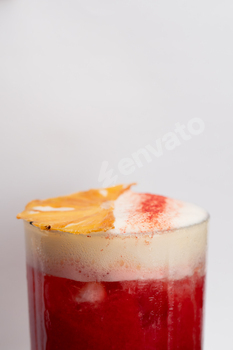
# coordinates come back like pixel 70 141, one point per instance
pixel 82 82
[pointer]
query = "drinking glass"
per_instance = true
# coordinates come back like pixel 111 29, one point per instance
pixel 107 291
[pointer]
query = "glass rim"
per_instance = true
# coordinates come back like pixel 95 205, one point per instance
pixel 107 234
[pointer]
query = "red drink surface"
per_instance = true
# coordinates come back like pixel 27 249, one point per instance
pixel 125 315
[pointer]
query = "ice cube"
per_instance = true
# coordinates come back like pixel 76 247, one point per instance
pixel 92 292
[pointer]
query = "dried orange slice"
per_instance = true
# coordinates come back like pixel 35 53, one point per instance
pixel 81 212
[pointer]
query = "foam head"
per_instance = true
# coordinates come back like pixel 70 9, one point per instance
pixel 151 237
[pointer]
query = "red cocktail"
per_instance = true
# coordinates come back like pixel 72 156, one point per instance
pixel 150 314
pixel 126 288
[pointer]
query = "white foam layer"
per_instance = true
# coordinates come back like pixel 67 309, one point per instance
pixel 174 254
pixel 175 214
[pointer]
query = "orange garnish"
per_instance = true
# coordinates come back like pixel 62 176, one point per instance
pixel 81 212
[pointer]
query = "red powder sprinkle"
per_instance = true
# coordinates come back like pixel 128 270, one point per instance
pixel 148 213
pixel 152 205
